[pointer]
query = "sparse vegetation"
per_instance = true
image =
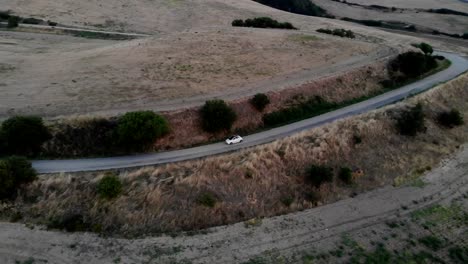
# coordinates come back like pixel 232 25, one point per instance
pixel 109 186
pixel 338 32
pixel 216 116
pixel 411 121
pixel 260 101
pixel 450 118
pixel 207 199
pixel 139 129
pixel 14 172
pixel 262 22
pixel 23 135
pixel 431 242
pixel 317 175
pixel 458 254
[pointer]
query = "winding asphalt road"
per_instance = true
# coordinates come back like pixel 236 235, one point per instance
pixel 459 65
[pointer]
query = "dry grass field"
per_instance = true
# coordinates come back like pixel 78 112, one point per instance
pixel 453 24
pixel 257 181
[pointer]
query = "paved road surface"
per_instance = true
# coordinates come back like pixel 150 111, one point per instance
pixel 459 65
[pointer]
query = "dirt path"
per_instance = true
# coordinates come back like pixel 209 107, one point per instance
pixel 237 243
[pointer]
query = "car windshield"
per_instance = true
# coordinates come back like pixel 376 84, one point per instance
pixel 233 137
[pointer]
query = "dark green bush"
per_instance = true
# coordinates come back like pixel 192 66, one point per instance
pixel 262 22
pixel 207 199
pixel 412 64
pixel 32 21
pixel 459 254
pixel 287 200
pixel 411 121
pixel 431 242
pixel 310 108
pixel 238 23
pixel 216 115
pixel 109 186
pixel 426 48
pixel 260 101
pixel 14 171
pixel 338 32
pixel 303 7
pixel 13 21
pixel 346 175
pixel 450 118
pixel 317 175
pixel 139 129
pixel 4 15
pixel 24 135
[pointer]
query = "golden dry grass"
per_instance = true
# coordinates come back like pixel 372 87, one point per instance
pixel 252 183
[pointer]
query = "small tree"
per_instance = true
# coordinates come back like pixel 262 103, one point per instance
pixel 450 118
pixel 260 101
pixel 426 48
pixel 319 174
pixel 346 175
pixel 13 21
pixel 14 171
pixel 411 121
pixel 216 115
pixel 24 135
pixel 138 129
pixel 109 186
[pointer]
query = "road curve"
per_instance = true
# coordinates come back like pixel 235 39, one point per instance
pixel 458 66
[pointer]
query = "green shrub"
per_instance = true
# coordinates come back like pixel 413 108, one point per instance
pixel 303 7
pixel 24 135
pixel 13 21
pixel 319 174
pixel 4 15
pixel 411 121
pixel 459 254
pixel 237 23
pixel 312 107
pixel 262 22
pixel 14 171
pixel 260 101
pixel 338 32
pixel 109 186
pixel 216 115
pixel 207 199
pixel 138 129
pixel 412 64
pixel 346 175
pixel 426 48
pixel 287 200
pixel 450 118
pixel 431 242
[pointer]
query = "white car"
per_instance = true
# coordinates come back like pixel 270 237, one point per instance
pixel 234 140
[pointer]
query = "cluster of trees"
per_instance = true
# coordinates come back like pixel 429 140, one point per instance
pixel 262 22
pixel 338 32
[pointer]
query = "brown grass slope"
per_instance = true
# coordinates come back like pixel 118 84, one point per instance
pixel 252 183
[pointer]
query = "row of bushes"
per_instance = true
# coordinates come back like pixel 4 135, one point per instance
pixel 302 7
pixel 412 121
pixel 318 175
pixel 13 21
pixel 25 135
pixel 262 22
pixel 338 32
